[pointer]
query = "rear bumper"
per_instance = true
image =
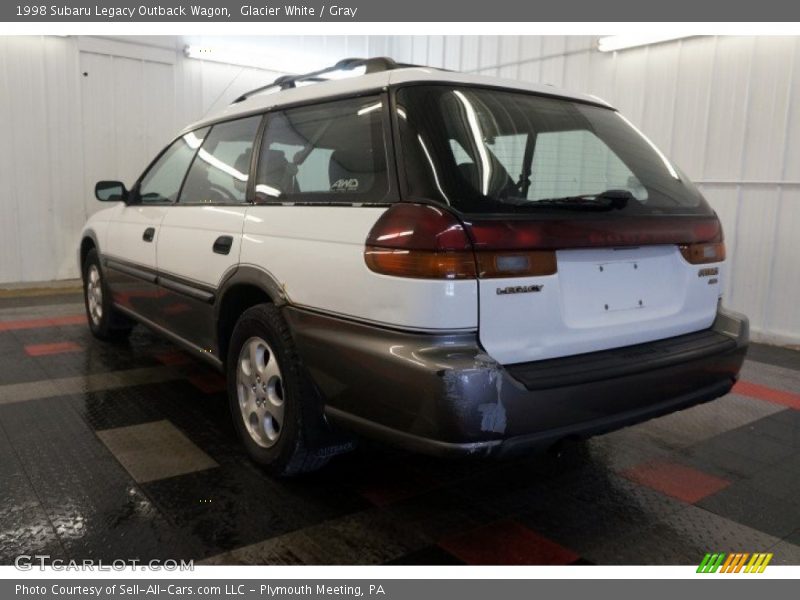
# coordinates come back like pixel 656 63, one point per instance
pixel 441 394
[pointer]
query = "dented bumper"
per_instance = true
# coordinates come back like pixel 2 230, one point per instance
pixel 441 394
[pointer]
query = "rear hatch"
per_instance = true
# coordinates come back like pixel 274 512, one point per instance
pixel 602 297
pixel 595 239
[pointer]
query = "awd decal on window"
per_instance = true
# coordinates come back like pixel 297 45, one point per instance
pixel 735 562
pixel 345 185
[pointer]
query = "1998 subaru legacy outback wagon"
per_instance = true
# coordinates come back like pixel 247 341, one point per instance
pixel 451 263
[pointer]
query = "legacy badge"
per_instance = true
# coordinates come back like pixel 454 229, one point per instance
pixel 519 289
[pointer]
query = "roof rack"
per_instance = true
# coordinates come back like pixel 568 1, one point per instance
pixel 372 65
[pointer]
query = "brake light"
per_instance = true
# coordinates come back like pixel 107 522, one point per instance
pixel 406 226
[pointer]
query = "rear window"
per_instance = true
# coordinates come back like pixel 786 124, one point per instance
pixel 490 151
pixel 331 152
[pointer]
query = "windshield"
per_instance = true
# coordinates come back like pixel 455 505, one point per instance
pixel 489 151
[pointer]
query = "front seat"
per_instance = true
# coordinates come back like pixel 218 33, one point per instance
pixel 276 176
pixel 242 165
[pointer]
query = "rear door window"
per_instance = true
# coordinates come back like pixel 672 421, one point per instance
pixel 331 152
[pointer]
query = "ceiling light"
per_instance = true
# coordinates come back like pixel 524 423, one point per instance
pixel 258 58
pixel 612 43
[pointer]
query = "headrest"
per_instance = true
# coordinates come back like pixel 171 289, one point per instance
pixel 353 160
pixel 275 159
pixel 242 163
pixel 351 170
pixel 274 170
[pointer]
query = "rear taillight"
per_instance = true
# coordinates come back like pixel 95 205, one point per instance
pixel 707 247
pixel 425 242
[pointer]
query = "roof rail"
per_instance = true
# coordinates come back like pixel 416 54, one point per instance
pixel 372 65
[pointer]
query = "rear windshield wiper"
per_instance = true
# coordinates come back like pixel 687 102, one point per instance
pixel 608 200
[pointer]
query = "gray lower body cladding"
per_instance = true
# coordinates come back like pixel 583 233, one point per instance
pixel 442 394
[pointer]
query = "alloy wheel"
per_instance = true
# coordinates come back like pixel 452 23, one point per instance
pixel 259 386
pixel 94 294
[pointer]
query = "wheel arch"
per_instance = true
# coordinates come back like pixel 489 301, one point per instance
pixel 88 242
pixel 247 286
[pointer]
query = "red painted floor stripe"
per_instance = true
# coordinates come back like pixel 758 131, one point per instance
pixel 403 484
pixel 42 323
pixel 762 392
pixel 506 543
pixel 208 383
pixel 48 349
pixel 678 481
pixel 173 358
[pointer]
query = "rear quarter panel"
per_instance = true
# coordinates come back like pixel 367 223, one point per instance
pixel 316 253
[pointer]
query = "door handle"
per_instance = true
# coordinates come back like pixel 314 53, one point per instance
pixel 222 245
pixel 149 234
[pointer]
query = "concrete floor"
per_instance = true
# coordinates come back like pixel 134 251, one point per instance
pixel 127 451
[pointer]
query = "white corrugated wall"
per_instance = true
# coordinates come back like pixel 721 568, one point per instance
pixel 74 110
pixel 726 109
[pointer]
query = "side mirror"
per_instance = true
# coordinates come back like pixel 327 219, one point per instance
pixel 111 191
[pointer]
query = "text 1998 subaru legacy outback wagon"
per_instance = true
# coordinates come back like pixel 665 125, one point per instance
pixel 455 264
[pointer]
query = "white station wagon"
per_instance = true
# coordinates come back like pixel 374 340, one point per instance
pixel 455 264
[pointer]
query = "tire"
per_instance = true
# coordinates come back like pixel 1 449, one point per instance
pixel 104 322
pixel 275 407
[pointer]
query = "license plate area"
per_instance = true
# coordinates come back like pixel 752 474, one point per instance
pixel 602 286
pixel 618 285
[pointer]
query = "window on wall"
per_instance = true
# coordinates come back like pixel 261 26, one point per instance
pixel 221 168
pixel 162 182
pixel 332 152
